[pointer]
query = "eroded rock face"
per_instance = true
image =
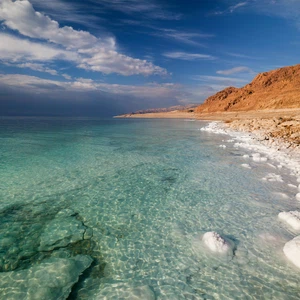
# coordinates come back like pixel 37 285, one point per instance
pixel 292 251
pixel 52 279
pixel 216 243
pixel 270 90
pixel 63 230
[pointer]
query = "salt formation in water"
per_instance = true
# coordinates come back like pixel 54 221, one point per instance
pixel 125 291
pixel 292 185
pixel 63 230
pixel 257 158
pixel 273 177
pixel 292 218
pixel 292 251
pixel 216 243
pixel 298 196
pixel 247 166
pixel 52 279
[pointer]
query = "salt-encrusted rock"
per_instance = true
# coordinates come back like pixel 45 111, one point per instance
pixel 257 158
pixel 298 196
pixel 292 251
pixel 247 166
pixel 216 243
pixel 63 230
pixel 292 218
pixel 51 280
pixel 273 177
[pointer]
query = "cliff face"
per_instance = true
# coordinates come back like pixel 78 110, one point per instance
pixel 270 90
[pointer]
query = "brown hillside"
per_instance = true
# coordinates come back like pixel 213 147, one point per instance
pixel 270 90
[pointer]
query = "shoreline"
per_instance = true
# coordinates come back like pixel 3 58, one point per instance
pixel 285 155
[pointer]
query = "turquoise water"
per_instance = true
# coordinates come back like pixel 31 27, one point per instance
pixel 115 209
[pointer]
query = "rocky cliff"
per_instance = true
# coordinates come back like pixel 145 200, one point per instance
pixel 270 90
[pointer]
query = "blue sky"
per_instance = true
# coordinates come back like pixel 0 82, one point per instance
pixel 105 57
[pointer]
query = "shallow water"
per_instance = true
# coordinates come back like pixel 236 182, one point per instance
pixel 136 196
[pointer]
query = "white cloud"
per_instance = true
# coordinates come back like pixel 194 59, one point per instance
pixel 188 56
pixel 37 67
pixel 66 76
pixel 146 8
pixel 92 53
pixel 238 5
pixel 15 49
pixel 235 70
pixel 153 90
pixel 217 78
pixel 287 9
pixel 189 38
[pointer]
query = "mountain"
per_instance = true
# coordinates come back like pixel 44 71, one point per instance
pixel 270 90
pixel 166 109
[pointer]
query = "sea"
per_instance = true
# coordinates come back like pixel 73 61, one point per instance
pixel 117 208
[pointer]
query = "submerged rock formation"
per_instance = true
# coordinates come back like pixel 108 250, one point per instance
pixel 52 279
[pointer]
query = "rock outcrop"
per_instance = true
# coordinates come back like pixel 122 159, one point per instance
pixel 270 90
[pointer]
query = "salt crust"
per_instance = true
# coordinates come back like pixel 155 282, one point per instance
pixel 216 243
pixel 273 177
pixel 292 251
pixel 287 157
pixel 292 218
pixel 247 166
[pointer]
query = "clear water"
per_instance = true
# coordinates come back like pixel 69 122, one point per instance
pixel 147 190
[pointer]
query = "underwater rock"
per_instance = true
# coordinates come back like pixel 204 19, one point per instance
pixel 292 218
pixel 63 230
pixel 52 279
pixel 216 243
pixel 125 291
pixel 292 251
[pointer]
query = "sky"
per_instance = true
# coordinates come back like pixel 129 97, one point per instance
pixel 107 57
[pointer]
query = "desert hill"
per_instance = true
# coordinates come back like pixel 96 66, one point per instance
pixel 276 89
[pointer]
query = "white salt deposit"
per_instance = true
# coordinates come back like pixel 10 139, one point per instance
pixel 292 218
pixel 298 196
pixel 292 185
pixel 222 146
pixel 292 251
pixel 216 243
pixel 272 177
pixel 247 166
pixel 246 156
pixel 273 149
pixel 257 158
